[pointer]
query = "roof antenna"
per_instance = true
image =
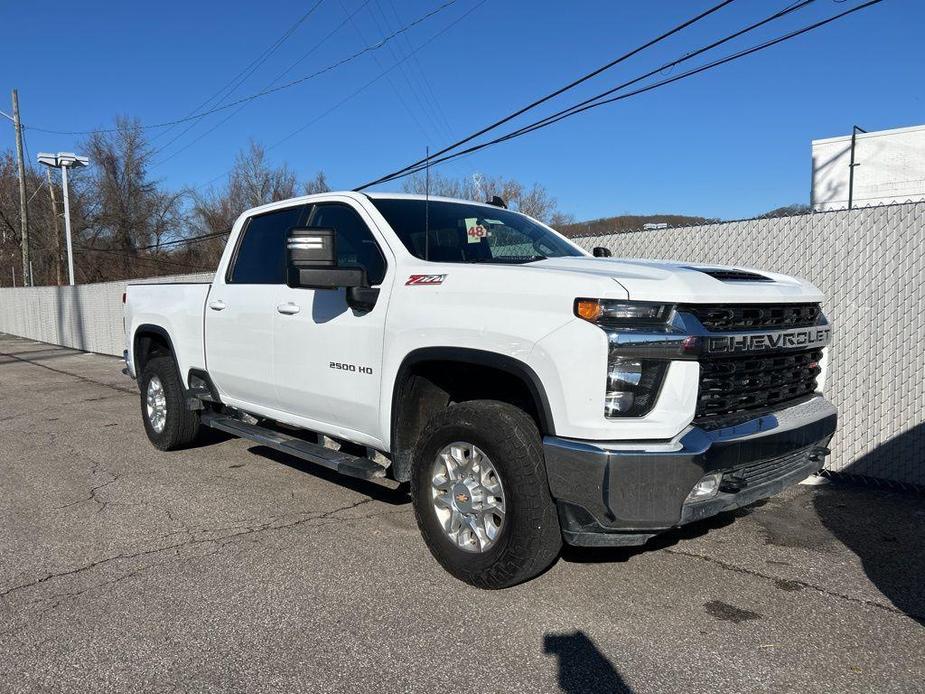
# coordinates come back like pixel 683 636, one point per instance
pixel 427 203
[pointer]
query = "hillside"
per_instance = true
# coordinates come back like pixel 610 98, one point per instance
pixel 626 222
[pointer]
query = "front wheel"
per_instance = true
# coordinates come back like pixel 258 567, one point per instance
pixel 481 497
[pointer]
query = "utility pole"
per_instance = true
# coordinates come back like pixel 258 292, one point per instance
pixel 23 207
pixel 54 220
pixel 854 135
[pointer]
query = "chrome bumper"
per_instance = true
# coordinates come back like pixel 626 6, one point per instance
pixel 623 493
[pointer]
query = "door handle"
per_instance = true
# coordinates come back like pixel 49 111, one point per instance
pixel 289 309
pixel 217 305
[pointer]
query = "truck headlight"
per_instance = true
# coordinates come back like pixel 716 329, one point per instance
pixel 623 314
pixel 632 385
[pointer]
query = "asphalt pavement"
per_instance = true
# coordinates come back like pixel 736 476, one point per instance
pixel 230 567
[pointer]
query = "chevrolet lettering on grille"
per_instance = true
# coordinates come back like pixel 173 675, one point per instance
pixel 801 338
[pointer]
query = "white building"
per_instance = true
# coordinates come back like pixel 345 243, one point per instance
pixel 889 167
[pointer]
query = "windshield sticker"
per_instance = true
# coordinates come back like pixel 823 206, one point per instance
pixel 475 232
pixel 425 279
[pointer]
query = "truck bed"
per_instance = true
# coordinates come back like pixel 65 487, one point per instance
pixel 178 308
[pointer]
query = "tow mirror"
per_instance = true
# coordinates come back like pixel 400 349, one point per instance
pixel 601 252
pixel 312 261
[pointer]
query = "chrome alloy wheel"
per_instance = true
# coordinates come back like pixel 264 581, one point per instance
pixel 156 402
pixel 468 496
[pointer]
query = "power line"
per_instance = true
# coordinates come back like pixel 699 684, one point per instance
pixel 399 93
pixel 555 117
pixel 271 90
pixel 204 237
pixel 188 239
pixel 356 92
pixel 244 105
pixel 246 72
pixel 428 89
pixel 557 92
pixel 575 110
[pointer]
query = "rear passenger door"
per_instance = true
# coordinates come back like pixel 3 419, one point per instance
pixel 242 305
pixel 328 356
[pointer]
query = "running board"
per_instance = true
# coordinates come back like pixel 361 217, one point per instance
pixel 344 463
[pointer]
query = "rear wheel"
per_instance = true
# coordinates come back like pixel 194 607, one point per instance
pixel 481 496
pixel 168 422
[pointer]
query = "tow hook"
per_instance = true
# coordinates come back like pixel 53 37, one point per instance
pixel 733 484
pixel 818 454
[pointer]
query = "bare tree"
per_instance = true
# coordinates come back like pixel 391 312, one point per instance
pixel 318 184
pixel 534 201
pixel 45 243
pixel 121 212
pixel 252 182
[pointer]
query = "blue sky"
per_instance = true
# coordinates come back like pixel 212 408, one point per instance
pixel 729 143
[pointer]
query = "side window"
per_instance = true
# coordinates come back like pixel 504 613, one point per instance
pixel 355 244
pixel 261 254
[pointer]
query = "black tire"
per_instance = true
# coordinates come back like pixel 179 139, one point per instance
pixel 530 537
pixel 182 425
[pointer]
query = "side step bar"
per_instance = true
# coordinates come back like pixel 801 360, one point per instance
pixel 344 463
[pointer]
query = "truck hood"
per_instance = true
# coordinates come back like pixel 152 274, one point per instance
pixel 676 281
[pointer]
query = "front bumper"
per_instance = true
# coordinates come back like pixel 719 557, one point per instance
pixel 623 493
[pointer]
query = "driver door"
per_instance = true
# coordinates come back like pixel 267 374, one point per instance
pixel 327 356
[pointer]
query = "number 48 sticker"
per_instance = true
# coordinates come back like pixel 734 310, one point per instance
pixel 475 232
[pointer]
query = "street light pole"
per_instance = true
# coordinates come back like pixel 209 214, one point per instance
pixel 67 226
pixel 63 161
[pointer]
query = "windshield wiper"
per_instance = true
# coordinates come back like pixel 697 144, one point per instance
pixel 515 259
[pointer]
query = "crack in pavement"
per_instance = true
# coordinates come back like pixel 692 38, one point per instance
pixel 94 489
pixel 316 520
pixel 84 379
pixel 804 584
pixel 191 541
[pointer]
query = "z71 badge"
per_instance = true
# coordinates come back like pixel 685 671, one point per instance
pixel 425 279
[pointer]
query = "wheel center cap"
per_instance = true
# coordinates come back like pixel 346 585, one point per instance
pixel 462 497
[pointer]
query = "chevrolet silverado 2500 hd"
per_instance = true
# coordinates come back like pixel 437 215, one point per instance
pixel 529 392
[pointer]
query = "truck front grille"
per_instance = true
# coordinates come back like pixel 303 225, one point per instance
pixel 724 317
pixel 730 385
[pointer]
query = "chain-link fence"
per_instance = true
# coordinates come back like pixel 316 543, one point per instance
pixel 870 265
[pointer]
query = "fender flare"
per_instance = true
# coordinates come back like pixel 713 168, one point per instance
pixel 478 357
pixel 157 330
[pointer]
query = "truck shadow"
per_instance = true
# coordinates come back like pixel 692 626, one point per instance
pixel 394 497
pixel 583 668
pixel 603 555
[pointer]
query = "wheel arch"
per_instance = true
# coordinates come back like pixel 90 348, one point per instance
pixel 148 340
pixel 424 381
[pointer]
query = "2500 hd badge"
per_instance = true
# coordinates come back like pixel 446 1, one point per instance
pixel 341 366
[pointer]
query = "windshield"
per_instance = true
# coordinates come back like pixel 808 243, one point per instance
pixel 463 233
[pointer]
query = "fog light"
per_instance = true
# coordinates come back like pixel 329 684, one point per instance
pixel 706 487
pixel 624 373
pixel 618 402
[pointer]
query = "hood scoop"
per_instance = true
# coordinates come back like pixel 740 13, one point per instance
pixel 731 274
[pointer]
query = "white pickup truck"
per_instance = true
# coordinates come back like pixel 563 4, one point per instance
pixel 529 392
